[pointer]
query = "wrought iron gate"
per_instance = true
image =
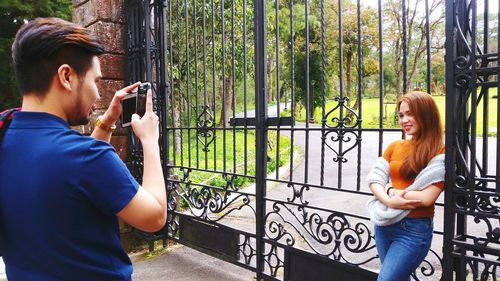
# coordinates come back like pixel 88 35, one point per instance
pixel 473 162
pixel 285 199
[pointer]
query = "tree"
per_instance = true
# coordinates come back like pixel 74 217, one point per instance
pixel 13 14
pixel 415 36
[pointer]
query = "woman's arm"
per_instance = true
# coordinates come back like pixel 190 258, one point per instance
pixel 397 201
pixel 427 196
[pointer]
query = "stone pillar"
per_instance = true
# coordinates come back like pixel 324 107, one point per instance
pixel 106 19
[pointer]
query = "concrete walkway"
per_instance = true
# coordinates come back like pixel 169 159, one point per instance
pixel 181 263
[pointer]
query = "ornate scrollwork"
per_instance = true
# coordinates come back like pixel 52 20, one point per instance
pixel 212 204
pixel 491 233
pixel 277 231
pixel 494 235
pixel 246 249
pixel 462 62
pixel 332 237
pixel 342 137
pixel 273 260
pixel 205 128
pixel 185 174
pixel 298 193
pixel 483 270
pixel 460 181
pixel 462 80
pixel 431 265
pixel 172 204
pixel 488 203
pixel 229 178
pixel 350 120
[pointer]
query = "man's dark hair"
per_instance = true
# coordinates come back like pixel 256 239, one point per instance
pixel 43 45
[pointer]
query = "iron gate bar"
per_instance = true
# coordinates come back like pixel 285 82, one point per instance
pixel 360 100
pixel 214 108
pixel 292 87
pixel 245 152
pixel 323 92
pixel 196 83
pixel 428 47
pixel 260 129
pixel 341 89
pixel 381 77
pixel 278 96
pixel 186 18
pixel 405 48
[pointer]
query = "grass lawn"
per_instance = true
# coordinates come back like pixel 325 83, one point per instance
pixel 215 161
pixel 371 115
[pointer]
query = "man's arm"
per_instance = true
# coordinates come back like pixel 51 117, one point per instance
pixel 148 208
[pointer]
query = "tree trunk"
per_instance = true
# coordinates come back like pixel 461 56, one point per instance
pixel 227 100
pixel 270 79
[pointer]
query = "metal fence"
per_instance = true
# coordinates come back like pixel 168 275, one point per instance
pixel 283 194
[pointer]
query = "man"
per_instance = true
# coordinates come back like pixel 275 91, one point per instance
pixel 61 192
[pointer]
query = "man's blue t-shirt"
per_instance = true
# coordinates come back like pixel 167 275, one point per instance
pixel 59 195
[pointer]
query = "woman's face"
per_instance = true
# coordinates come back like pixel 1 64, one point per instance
pixel 407 120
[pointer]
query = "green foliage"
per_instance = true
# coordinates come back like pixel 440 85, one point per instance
pixel 13 13
pixel 315 78
pixel 216 160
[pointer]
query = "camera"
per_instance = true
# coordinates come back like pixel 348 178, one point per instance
pixel 134 102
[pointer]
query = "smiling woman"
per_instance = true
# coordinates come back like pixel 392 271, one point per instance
pixel 405 183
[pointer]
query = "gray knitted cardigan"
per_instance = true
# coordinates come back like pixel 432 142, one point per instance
pixel 382 215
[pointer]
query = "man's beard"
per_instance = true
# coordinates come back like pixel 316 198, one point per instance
pixel 78 116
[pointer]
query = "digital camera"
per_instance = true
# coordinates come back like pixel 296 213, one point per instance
pixel 135 102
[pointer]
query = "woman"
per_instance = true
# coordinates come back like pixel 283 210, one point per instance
pixel 402 211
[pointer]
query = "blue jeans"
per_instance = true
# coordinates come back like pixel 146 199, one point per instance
pixel 402 247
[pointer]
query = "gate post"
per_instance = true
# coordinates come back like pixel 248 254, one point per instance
pixel 260 130
pixel 450 150
pixel 456 135
pixel 145 46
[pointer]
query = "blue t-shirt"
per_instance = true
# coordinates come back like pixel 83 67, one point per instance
pixel 59 195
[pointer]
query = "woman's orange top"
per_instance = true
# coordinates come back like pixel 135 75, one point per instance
pixel 395 154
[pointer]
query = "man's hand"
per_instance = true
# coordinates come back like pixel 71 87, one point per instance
pixel 399 202
pixel 115 106
pixel 146 127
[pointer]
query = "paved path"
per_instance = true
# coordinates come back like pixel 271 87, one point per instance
pixel 185 264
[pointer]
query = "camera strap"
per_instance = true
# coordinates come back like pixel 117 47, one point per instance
pixel 5 120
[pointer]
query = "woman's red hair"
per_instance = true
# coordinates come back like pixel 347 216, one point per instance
pixel 428 141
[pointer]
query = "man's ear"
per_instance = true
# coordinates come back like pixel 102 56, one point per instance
pixel 65 74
